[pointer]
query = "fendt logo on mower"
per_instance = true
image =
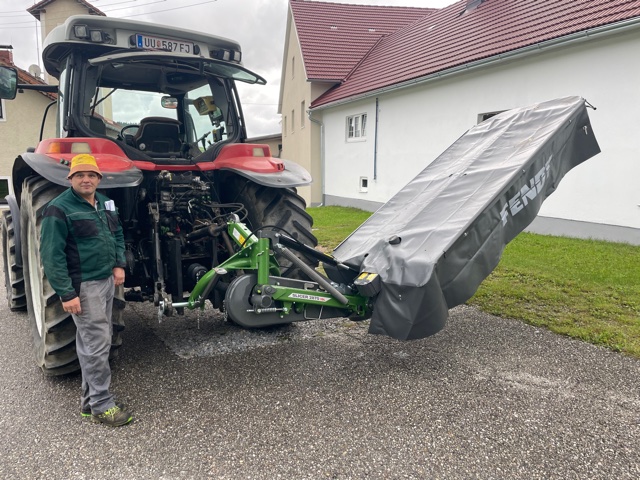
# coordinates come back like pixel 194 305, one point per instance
pixel 526 194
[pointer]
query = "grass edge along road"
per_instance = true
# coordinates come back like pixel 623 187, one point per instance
pixel 585 289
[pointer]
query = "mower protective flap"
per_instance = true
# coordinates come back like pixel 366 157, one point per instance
pixel 440 236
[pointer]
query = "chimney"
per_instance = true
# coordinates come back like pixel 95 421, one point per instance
pixel 6 56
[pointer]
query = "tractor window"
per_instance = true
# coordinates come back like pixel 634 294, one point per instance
pixel 163 113
pixel 128 107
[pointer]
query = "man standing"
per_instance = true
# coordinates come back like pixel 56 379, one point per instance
pixel 82 251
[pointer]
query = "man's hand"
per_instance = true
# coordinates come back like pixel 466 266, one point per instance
pixel 118 276
pixel 72 306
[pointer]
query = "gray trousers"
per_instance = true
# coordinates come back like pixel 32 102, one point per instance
pixel 93 343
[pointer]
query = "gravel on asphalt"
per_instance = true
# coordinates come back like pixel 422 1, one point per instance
pixel 485 398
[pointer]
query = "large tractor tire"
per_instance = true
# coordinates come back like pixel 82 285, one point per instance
pixel 281 208
pixel 53 330
pixel 13 278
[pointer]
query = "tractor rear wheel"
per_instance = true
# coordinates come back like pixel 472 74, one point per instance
pixel 282 209
pixel 53 330
pixel 13 278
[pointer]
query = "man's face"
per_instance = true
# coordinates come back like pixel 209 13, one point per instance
pixel 85 183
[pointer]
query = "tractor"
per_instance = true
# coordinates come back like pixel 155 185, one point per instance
pixel 159 109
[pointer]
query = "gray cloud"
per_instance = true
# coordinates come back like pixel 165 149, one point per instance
pixel 258 25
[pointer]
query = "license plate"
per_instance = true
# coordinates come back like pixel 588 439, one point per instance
pixel 159 43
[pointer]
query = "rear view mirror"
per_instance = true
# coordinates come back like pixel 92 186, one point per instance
pixel 8 82
pixel 169 102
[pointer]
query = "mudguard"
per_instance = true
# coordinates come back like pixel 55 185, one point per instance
pixel 52 157
pixel 293 175
pixel 254 161
pixel 440 236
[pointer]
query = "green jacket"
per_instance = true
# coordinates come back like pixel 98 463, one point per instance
pixel 79 242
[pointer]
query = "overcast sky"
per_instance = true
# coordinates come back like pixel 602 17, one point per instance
pixel 258 25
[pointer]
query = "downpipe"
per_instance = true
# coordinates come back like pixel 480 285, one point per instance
pixel 322 173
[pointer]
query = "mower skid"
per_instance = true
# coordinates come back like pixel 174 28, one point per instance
pixel 438 238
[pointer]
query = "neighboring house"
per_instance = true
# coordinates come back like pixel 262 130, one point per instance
pixel 21 121
pixel 324 43
pixel 52 13
pixel 21 118
pixel 417 89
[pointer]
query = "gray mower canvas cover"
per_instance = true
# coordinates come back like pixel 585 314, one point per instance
pixel 439 237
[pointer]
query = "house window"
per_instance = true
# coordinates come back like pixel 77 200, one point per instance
pixel 5 189
pixel 293 120
pixel 486 116
pixel 284 126
pixel 357 127
pixel 302 113
pixel 293 67
pixel 2 116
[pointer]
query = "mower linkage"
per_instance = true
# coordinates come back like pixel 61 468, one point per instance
pixel 258 296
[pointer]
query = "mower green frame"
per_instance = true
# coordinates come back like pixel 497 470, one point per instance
pixel 257 255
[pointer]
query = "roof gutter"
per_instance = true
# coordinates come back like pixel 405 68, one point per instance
pixel 582 36
pixel 322 169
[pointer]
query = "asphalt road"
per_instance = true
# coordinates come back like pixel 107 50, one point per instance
pixel 485 398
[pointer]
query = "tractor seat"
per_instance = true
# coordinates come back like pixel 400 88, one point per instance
pixel 158 137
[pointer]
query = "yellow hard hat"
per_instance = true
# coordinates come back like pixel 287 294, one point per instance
pixel 83 163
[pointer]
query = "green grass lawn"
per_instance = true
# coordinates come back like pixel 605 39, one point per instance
pixel 580 288
pixel 331 225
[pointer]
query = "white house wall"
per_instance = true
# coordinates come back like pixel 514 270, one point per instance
pixel 416 124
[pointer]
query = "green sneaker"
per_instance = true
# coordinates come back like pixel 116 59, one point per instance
pixel 114 417
pixel 85 413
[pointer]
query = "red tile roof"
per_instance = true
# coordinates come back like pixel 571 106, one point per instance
pixel 334 37
pixel 36 9
pixel 6 58
pixel 448 38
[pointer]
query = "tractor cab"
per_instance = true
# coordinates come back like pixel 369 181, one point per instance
pixel 162 94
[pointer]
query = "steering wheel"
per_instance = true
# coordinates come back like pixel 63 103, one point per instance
pixel 127 127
